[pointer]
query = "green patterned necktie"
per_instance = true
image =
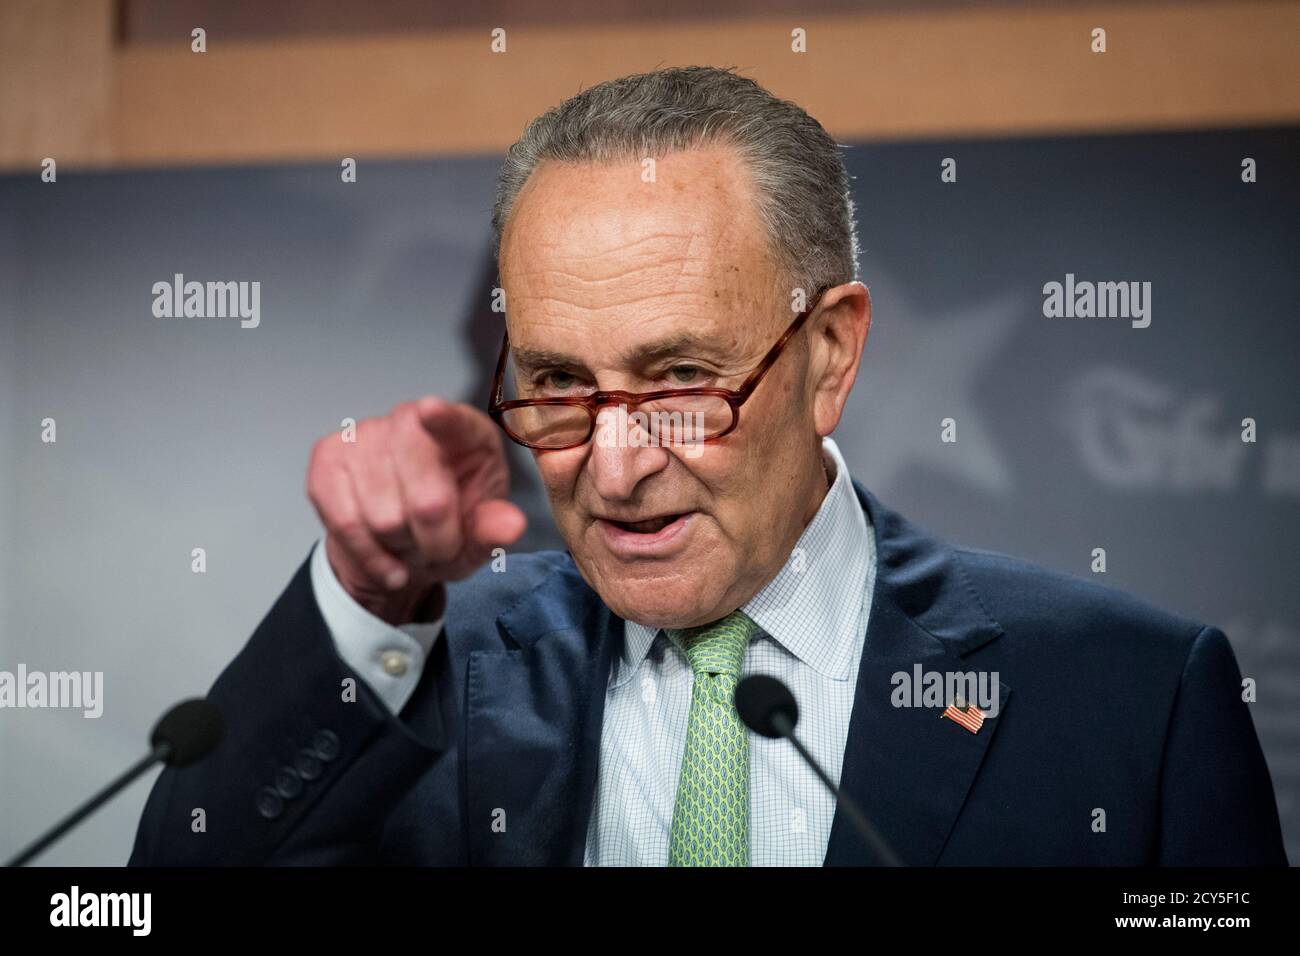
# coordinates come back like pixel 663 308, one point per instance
pixel 711 814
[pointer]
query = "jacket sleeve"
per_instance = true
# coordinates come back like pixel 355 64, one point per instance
pixel 309 761
pixel 1217 803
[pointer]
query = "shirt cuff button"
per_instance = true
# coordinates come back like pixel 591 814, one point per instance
pixel 395 663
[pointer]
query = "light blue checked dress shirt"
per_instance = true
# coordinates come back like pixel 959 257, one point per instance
pixel 813 621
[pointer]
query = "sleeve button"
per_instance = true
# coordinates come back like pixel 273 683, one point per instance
pixel 269 803
pixel 287 783
pixel 307 764
pixel 326 745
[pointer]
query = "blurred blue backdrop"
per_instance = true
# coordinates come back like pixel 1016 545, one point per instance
pixel 1073 434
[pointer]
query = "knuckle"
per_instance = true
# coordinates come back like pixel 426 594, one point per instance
pixel 388 523
pixel 319 456
pixel 370 431
pixel 317 485
pixel 349 528
pixel 430 504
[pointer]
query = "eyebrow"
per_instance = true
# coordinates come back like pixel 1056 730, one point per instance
pixel 680 344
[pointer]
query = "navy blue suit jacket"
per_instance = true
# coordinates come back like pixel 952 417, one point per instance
pixel 1105 703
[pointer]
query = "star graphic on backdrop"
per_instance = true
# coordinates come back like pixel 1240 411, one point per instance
pixel 918 370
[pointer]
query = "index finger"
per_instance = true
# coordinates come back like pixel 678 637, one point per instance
pixel 459 429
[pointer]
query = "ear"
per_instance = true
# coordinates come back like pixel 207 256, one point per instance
pixel 838 338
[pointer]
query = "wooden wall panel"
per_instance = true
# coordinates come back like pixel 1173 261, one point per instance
pixel 57 70
pixel 979 71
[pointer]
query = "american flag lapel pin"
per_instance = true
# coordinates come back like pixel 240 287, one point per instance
pixel 970 717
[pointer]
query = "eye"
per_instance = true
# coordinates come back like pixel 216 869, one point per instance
pixel 556 379
pixel 684 374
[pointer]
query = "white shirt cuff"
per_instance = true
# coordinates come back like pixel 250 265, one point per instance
pixel 389 659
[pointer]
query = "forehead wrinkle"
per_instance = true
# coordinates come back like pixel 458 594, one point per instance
pixel 627 279
pixel 638 287
pixel 531 316
pixel 677 241
pixel 704 200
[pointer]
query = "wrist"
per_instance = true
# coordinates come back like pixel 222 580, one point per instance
pixel 420 601
pixel 432 606
pixel 405 607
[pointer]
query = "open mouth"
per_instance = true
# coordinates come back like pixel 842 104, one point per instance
pixel 649 526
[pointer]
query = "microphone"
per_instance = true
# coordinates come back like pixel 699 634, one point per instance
pixel 768 707
pixel 183 735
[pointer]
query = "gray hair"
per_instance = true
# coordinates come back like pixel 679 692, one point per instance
pixel 803 197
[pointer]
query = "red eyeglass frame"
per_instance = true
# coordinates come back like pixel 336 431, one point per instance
pixel 592 403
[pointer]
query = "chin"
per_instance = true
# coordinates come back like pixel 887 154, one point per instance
pixel 667 601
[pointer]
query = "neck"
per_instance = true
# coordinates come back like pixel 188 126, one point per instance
pixel 822 489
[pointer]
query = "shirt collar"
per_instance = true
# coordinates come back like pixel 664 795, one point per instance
pixel 816 600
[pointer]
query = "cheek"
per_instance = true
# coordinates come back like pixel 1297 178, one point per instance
pixel 559 471
pixel 729 476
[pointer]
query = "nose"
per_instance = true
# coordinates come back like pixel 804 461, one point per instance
pixel 621 455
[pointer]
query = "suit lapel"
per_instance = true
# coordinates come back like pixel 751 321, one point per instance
pixel 907 768
pixel 534 710
pixel 532 725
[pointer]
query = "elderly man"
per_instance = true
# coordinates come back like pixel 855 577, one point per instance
pixel 678 257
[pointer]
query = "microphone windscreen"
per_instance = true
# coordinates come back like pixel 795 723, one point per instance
pixel 190 729
pixel 759 699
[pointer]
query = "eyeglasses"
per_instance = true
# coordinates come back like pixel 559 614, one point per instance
pixel 685 415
